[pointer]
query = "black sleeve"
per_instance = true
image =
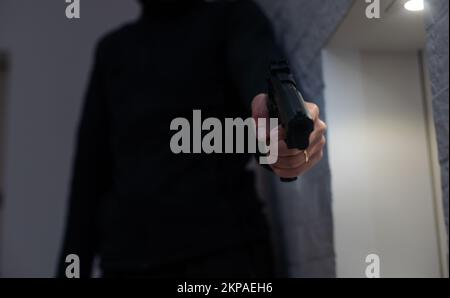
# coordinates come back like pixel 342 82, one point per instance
pixel 91 174
pixel 251 46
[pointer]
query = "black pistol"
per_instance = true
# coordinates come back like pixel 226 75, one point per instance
pixel 287 104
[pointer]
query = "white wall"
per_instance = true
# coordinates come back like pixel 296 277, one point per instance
pixel 50 61
pixel 380 163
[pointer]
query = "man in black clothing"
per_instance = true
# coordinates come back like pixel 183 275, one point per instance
pixel 145 211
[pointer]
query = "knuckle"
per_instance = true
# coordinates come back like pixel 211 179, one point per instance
pixel 316 108
pixel 321 127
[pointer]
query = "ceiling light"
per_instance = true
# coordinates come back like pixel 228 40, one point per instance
pixel 414 5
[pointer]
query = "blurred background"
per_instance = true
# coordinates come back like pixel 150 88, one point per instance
pixel 381 83
pixel 379 99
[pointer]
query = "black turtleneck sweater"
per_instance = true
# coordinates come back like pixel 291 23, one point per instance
pixel 132 201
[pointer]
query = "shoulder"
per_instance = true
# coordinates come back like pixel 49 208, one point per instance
pixel 116 40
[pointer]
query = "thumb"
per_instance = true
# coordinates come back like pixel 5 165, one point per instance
pixel 260 111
